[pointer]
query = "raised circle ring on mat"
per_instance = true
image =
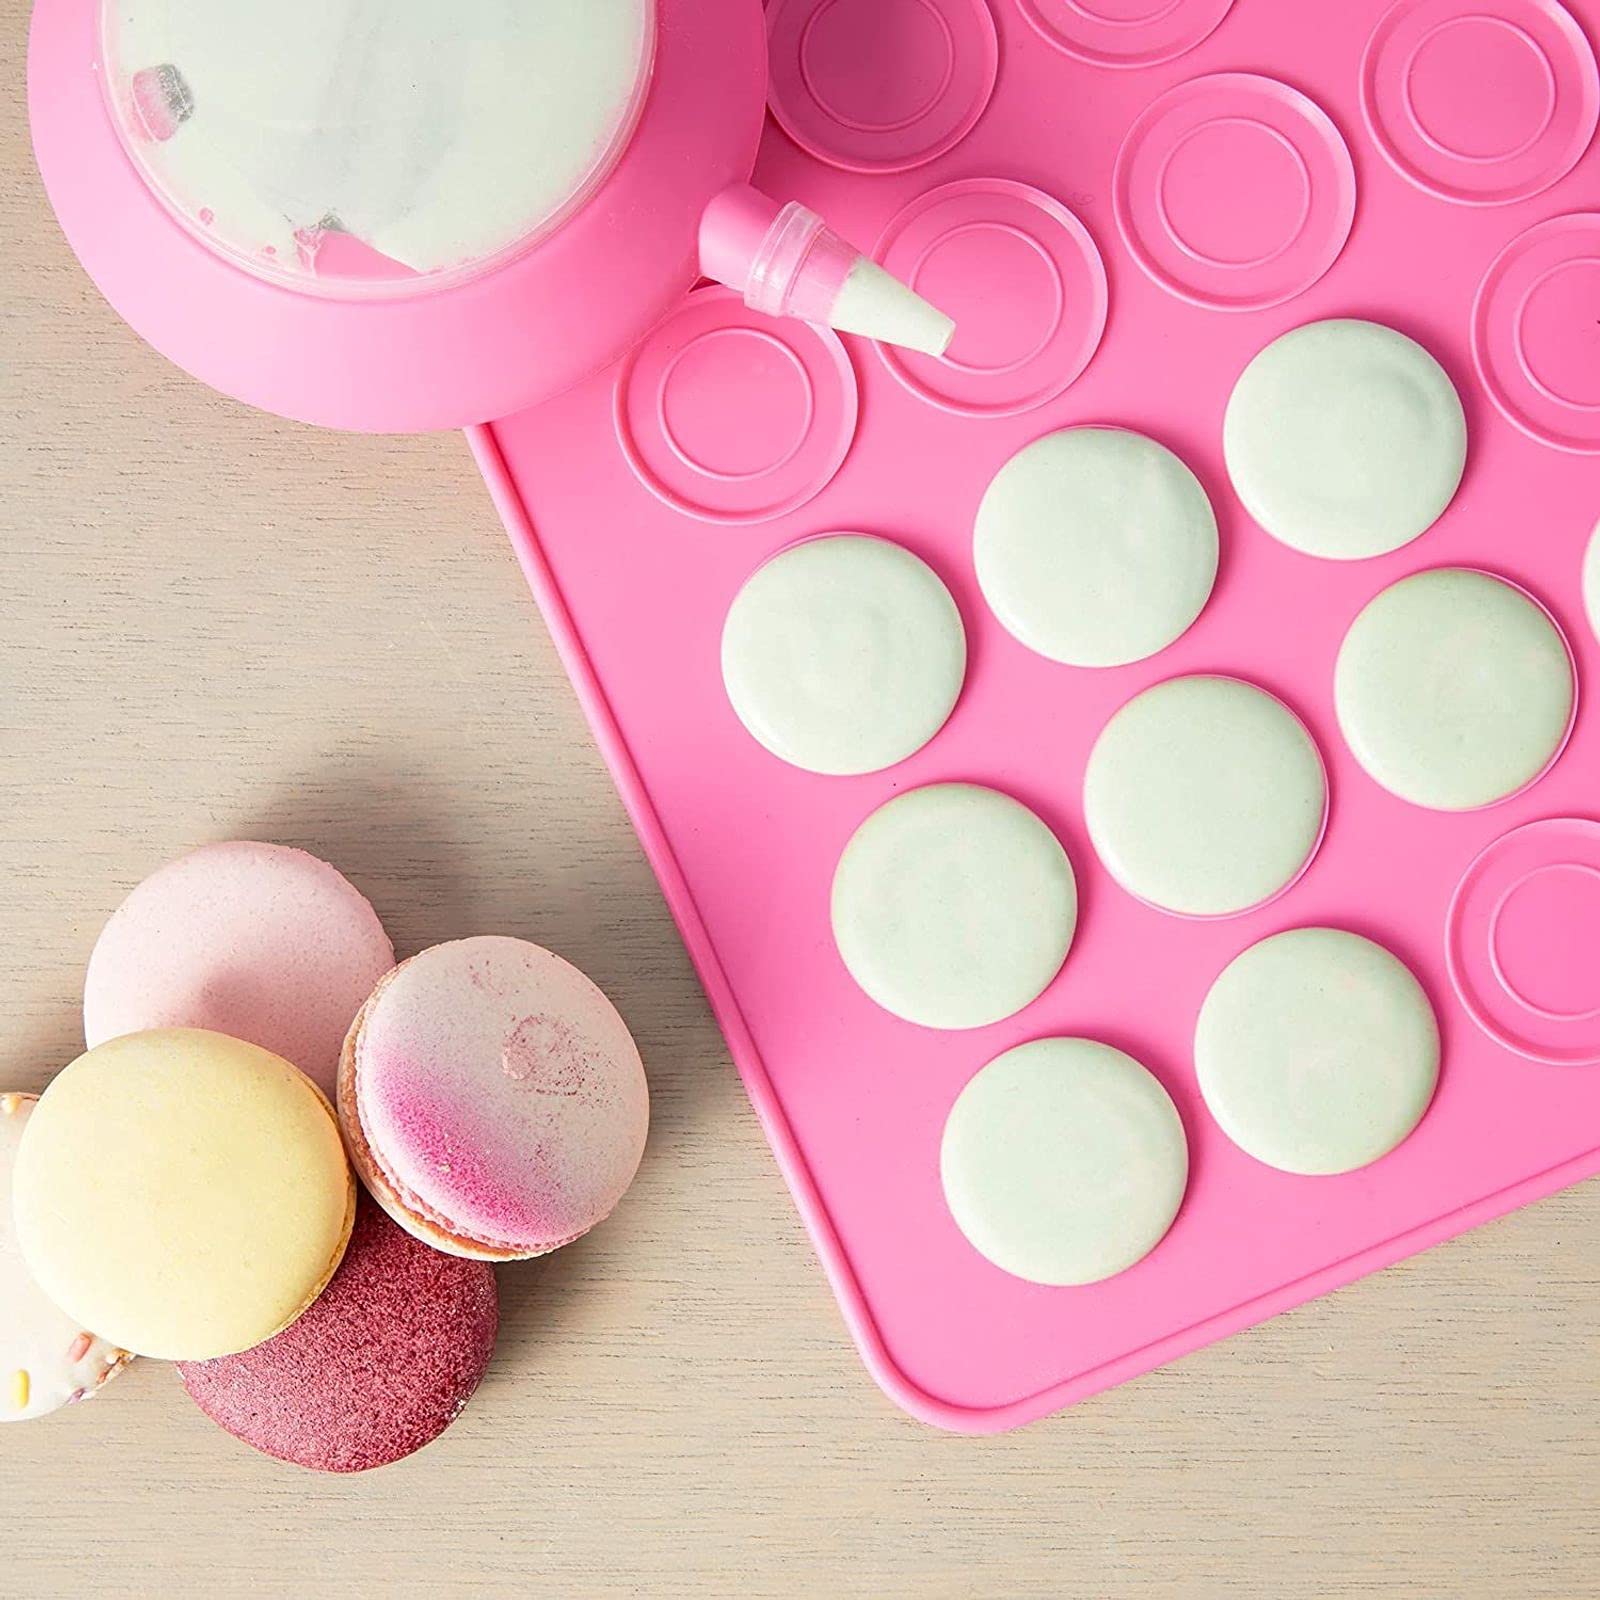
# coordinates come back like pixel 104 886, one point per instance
pixel 1024 281
pixel 732 416
pixel 1521 936
pixel 880 85
pixel 1482 102
pixel 1125 33
pixel 1536 332
pixel 1234 191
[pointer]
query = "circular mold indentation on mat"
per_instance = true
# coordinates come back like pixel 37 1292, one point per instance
pixel 953 906
pixel 1317 1051
pixel 1024 281
pixel 1064 1162
pixel 1536 332
pixel 880 85
pixel 1521 939
pixel 732 416
pixel 1095 547
pixel 1455 689
pixel 1234 191
pixel 1205 796
pixel 1480 101
pixel 1125 33
pixel 843 654
pixel 1345 439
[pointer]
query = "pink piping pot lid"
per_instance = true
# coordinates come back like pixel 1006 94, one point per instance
pixel 854 1101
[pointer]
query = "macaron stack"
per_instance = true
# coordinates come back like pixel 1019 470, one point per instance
pixel 184 1189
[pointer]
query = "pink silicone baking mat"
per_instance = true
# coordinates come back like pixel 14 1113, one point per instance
pixel 1477 104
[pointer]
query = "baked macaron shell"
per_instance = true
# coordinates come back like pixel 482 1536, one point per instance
pixel 258 941
pixel 46 1359
pixel 183 1193
pixel 493 1099
pixel 380 1365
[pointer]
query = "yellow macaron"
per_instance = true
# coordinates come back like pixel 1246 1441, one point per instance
pixel 183 1193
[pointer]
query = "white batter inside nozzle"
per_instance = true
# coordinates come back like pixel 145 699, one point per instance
pixel 787 262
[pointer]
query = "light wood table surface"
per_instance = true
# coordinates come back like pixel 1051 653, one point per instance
pixel 215 625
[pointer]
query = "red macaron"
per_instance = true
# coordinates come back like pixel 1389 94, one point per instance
pixel 379 1365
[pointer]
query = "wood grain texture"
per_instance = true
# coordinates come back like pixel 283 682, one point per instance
pixel 212 625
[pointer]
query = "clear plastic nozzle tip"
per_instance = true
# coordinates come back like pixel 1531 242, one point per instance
pixel 787 262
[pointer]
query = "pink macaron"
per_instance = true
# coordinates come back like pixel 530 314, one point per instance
pixel 258 941
pixel 381 1364
pixel 492 1099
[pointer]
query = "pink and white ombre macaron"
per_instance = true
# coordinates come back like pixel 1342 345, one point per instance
pixel 492 1099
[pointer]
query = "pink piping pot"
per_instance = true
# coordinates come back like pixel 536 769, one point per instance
pixel 445 357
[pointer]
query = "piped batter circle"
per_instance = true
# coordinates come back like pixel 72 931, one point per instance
pixel 1064 1162
pixel 1234 191
pixel 1022 278
pixel 1095 546
pixel 1205 796
pixel 1125 33
pixel 954 906
pixel 1317 1051
pixel 1480 101
pixel 1536 332
pixel 732 416
pixel 1522 937
pixel 843 654
pixel 880 85
pixel 1345 439
pixel 1454 689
